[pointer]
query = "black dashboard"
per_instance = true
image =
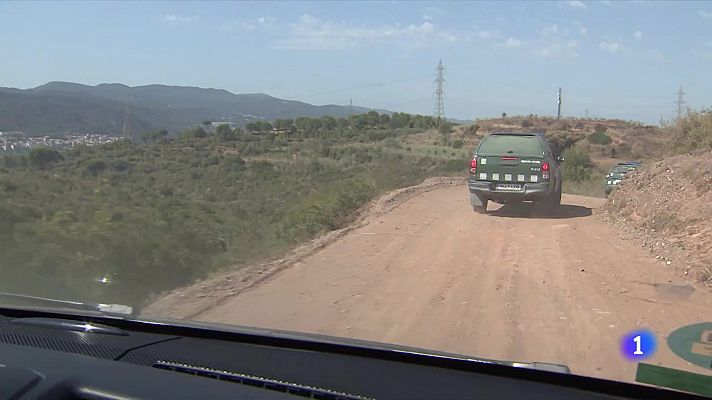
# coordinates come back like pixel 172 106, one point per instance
pixel 61 356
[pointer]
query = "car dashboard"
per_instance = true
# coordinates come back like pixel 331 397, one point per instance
pixel 60 356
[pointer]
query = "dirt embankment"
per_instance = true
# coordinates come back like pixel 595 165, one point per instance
pixel 191 300
pixel 666 207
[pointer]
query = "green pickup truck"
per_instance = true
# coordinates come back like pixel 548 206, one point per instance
pixel 514 168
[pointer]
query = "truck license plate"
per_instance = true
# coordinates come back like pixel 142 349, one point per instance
pixel 508 186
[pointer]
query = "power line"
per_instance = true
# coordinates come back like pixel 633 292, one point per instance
pixel 439 84
pixel 680 102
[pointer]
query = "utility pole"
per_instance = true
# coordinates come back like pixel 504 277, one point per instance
pixel 558 101
pixel 127 120
pixel 351 106
pixel 680 102
pixel 439 113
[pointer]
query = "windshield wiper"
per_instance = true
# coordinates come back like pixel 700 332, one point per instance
pixel 116 309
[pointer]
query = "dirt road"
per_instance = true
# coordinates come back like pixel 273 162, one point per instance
pixel 509 285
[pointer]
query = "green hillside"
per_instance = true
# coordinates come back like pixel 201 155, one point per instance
pixel 156 215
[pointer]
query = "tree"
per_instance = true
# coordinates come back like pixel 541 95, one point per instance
pixel 154 136
pixel 207 123
pixel 504 115
pixel 342 123
pixel 400 120
pixel 94 167
pixel 283 124
pixel 265 126
pixel 42 157
pixel 252 127
pixel 445 128
pixel 301 123
pixel 385 120
pixel 224 132
pixel 328 123
pixel 358 121
pixel 199 132
pixel 373 119
pixel 313 125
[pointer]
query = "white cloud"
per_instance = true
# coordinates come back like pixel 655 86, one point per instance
pixel 611 47
pixel 430 12
pixel 174 18
pixel 582 30
pixel 550 30
pixel 606 2
pixel 572 44
pixel 638 35
pixel 657 55
pixel 249 25
pixel 241 25
pixel 311 33
pixel 512 42
pixel 550 50
pixel 704 14
pixel 488 34
pixel 577 4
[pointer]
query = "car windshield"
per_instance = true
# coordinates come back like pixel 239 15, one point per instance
pixel 521 145
pixel 317 167
pixel 620 171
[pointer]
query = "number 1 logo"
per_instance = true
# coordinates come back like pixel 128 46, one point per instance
pixel 637 351
pixel 638 345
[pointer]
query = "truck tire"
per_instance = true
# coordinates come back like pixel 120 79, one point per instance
pixel 553 201
pixel 478 204
pixel 481 209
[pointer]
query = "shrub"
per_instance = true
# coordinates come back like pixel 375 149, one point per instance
pixel 600 128
pixel 457 144
pixel 95 167
pixel 445 128
pixel 577 165
pixel 691 132
pixel 599 138
pixel 527 123
pixel 561 140
pixel 42 157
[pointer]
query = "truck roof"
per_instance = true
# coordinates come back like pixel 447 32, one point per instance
pixel 540 134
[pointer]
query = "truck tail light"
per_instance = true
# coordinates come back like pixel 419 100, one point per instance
pixel 545 171
pixel 473 166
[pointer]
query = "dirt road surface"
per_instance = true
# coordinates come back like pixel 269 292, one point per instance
pixel 513 284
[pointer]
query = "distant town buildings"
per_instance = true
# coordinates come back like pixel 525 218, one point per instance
pixel 215 124
pixel 17 141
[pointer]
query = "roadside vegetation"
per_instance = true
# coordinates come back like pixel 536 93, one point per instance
pixel 161 212
pixel 692 132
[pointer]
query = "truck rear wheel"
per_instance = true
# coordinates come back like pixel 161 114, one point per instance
pixel 553 201
pixel 481 209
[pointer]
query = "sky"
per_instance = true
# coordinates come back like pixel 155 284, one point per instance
pixel 612 59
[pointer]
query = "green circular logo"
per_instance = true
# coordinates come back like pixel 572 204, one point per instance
pixel 693 343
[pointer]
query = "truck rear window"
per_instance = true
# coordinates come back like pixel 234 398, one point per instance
pixel 519 145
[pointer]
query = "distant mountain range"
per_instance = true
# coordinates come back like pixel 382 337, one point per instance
pixel 60 107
